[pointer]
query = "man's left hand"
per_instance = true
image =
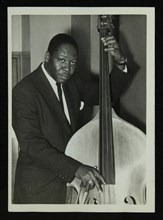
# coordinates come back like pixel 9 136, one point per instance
pixel 112 46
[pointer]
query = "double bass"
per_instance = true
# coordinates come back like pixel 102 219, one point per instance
pixel 112 145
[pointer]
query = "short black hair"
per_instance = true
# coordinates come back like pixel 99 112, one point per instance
pixel 60 39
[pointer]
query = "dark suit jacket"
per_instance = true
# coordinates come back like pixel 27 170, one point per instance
pixel 43 132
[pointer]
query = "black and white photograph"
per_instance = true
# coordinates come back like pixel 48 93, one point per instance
pixel 81 109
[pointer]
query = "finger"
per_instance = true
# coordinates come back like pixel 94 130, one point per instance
pixel 90 185
pixel 109 49
pixel 97 175
pixel 96 181
pixel 108 37
pixel 111 41
pixel 83 183
pixel 110 44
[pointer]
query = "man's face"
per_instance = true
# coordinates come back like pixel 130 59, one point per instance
pixel 62 63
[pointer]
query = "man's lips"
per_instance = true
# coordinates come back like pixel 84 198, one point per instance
pixel 65 75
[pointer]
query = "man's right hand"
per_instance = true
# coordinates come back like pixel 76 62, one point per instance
pixel 90 177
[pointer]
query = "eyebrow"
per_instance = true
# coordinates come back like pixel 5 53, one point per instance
pixel 62 55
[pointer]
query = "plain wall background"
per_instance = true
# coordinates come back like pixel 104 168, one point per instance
pixel 16 33
pixel 42 29
pixel 133 42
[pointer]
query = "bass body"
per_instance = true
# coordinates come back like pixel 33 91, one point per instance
pixel 130 162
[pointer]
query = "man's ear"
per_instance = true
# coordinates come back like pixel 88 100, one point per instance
pixel 47 57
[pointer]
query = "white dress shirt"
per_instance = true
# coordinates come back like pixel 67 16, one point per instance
pixel 54 87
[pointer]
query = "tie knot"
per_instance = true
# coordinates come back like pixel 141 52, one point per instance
pixel 58 85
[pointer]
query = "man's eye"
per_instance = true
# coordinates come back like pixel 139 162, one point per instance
pixel 73 62
pixel 61 60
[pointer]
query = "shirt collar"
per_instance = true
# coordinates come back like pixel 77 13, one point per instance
pixel 47 74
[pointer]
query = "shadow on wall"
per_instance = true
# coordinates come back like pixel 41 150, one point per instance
pixel 82 39
pixel 133 67
pixel 129 117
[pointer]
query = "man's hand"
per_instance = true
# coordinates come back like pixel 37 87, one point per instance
pixel 113 47
pixel 90 177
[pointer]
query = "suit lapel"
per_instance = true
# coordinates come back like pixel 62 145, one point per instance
pixel 44 87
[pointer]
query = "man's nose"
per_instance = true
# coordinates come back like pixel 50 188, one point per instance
pixel 67 66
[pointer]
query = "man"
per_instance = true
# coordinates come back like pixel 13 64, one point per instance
pixel 44 121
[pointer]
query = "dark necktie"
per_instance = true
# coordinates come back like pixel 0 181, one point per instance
pixel 60 94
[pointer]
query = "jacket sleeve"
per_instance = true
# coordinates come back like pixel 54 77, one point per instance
pixel 119 81
pixel 31 140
